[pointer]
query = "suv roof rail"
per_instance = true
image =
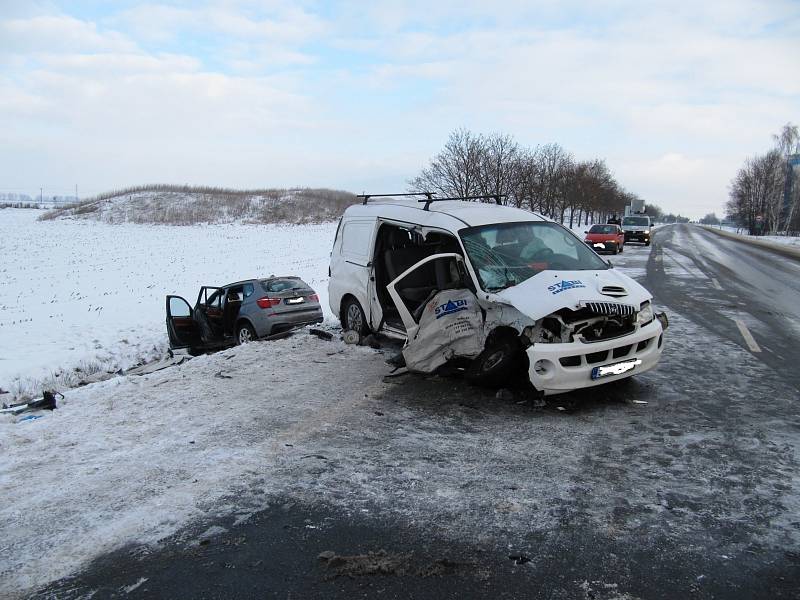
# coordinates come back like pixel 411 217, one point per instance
pixel 498 199
pixel 366 197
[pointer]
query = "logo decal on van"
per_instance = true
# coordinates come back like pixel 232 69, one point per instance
pixel 563 286
pixel 450 307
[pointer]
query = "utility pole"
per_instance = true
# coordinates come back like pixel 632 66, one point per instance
pixel 76 192
pixel 41 190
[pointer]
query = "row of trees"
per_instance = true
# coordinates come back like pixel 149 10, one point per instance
pixel 763 198
pixel 545 179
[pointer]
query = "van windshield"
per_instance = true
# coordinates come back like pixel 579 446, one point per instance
pixel 636 221
pixel 506 254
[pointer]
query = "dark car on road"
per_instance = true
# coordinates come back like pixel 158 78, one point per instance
pixel 637 229
pixel 241 312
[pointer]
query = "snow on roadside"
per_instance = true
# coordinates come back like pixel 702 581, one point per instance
pixel 789 240
pixel 84 294
pixel 134 458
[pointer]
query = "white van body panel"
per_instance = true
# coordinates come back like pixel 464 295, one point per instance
pixel 351 263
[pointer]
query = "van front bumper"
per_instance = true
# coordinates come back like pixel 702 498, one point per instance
pixel 637 236
pixel 559 368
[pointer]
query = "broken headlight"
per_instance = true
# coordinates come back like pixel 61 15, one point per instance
pixel 645 314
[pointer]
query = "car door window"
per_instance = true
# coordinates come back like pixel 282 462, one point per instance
pixel 356 239
pixel 178 307
pixel 249 288
pixel 215 300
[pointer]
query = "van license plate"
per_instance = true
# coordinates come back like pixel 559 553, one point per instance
pixel 615 369
pixel 294 300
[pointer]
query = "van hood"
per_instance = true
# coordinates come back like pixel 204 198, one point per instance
pixel 550 291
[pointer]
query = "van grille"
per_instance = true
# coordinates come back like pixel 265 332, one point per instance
pixel 611 308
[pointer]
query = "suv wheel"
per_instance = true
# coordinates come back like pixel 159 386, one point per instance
pixel 353 317
pixel 245 334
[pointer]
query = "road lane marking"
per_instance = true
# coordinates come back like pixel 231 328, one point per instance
pixel 748 337
pixel 716 283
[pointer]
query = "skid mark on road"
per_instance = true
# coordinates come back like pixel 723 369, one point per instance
pixel 748 337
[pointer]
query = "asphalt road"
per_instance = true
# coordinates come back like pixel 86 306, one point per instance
pixel 682 483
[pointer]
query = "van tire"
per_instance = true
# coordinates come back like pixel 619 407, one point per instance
pixel 353 317
pixel 496 363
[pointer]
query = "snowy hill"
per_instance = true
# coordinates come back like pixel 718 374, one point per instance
pixel 184 205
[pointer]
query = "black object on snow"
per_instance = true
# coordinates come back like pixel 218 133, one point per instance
pixel 47 402
pixel 323 335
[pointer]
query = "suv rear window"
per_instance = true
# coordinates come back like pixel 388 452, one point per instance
pixel 283 284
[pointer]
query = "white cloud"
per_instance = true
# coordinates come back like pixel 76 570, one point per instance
pixel 53 33
pixel 239 92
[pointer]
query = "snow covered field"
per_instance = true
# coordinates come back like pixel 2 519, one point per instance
pixel 87 295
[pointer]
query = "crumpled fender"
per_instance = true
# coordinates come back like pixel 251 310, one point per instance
pixel 450 325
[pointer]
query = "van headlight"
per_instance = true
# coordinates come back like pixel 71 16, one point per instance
pixel 645 314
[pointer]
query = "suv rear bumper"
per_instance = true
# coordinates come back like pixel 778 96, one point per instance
pixel 556 377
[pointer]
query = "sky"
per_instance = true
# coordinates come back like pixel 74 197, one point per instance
pixel 360 95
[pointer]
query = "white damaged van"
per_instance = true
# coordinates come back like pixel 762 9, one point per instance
pixel 492 289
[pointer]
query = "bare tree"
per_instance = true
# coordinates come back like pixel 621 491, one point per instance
pixel 499 163
pixel 545 179
pixel 787 142
pixel 455 171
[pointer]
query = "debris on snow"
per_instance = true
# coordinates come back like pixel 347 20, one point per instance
pixel 47 402
pixel 158 365
pixel 371 341
pixel 323 335
pixel 372 563
pixel 504 394
pixel 129 588
pixel 351 337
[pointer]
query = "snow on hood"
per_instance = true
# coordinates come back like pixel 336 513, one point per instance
pixel 549 291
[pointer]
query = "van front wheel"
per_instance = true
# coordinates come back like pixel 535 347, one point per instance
pixel 353 317
pixel 496 363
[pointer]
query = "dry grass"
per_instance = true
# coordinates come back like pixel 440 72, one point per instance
pixel 186 205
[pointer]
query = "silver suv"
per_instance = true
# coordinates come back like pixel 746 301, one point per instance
pixel 240 312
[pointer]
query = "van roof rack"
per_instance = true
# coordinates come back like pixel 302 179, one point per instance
pixel 366 197
pixel 498 198
pixel 429 197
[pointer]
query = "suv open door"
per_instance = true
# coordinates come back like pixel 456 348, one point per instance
pixel 181 326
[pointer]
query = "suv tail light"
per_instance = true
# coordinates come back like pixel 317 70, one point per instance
pixel 313 298
pixel 268 302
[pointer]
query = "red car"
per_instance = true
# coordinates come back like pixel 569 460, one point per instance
pixel 605 238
